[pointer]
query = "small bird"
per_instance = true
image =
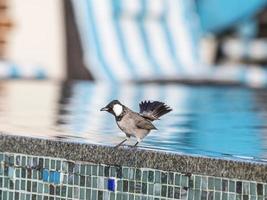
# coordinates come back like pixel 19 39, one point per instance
pixel 136 124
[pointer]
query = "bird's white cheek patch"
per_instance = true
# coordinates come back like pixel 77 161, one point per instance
pixel 117 109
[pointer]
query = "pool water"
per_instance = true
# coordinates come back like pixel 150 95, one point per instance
pixel 217 121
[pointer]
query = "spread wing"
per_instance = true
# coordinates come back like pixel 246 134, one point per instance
pixel 153 110
pixel 145 124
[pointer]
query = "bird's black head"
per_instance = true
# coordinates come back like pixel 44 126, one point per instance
pixel 114 107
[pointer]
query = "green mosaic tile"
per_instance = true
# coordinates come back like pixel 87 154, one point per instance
pixel 58 190
pixel 53 164
pixel 232 186
pixel 105 183
pixel 177 192
pixel 259 189
pixel 82 181
pixel 58 165
pixel 225 185
pixel 17 160
pixel 218 184
pixel 23 185
pixel 150 189
pixel 131 197
pixel 252 197
pixel 239 187
pixel 231 196
pixel 204 195
pixel 76 192
pixel 204 183
pixel 260 198
pixel 63 191
pixel 76 179
pixel 112 171
pixel 107 171
pixel 144 188
pixel 88 194
pixel 157 177
pixel 190 194
pixel 17 184
pixel 131 186
pixel 94 170
pixel 88 181
pixel 138 174
pixel 70 192
pixel 211 183
pixel 245 188
pixel 144 176
pixel 157 189
pixel 138 187
pixel 197 194
pixel 125 173
pixel 197 182
pixel 119 185
pixel 150 176
pixel 94 194
pixel 1 170
pixel 88 170
pixel 47 163
pixel 164 177
pixel 100 170
pixel 125 186
pixel 163 190
pixel 184 181
pixel 170 178
pixel 218 196
pixel 34 174
pixel 238 197
pixel 210 195
pixel 191 182
pixel 105 195
pixel 94 181
pixel 170 192
pixel 71 179
pixel 112 196
pixel 131 172
pixel 224 196
pixel 34 186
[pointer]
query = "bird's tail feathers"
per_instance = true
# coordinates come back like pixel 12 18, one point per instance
pixel 153 110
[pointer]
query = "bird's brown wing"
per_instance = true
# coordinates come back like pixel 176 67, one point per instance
pixel 145 124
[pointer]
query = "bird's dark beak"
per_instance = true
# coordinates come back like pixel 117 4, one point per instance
pixel 104 109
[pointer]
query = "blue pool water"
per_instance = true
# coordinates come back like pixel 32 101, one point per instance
pixel 209 121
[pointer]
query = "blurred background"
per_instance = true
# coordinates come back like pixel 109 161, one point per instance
pixel 62 60
pixel 114 40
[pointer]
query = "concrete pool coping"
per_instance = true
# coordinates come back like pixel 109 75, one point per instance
pixel 135 157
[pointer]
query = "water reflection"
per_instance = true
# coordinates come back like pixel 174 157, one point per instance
pixel 212 121
pixel 206 120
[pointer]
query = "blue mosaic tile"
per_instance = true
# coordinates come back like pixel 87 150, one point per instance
pixel 45 175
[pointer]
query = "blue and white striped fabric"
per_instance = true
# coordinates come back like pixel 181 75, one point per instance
pixel 10 70
pixel 138 39
pixel 238 49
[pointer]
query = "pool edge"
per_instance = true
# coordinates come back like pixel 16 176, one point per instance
pixel 132 157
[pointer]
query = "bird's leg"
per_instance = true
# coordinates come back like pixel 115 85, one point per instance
pixel 121 142
pixel 136 144
pixel 138 140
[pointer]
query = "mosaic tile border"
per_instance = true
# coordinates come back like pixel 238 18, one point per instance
pixel 26 177
pixel 135 157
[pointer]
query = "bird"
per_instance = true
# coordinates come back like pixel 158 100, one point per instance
pixel 135 124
